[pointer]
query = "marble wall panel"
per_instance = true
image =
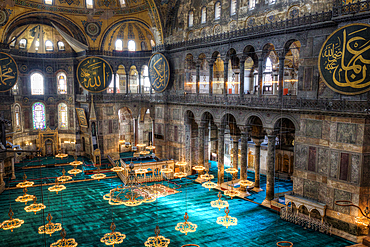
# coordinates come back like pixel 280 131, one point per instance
pixel 342 195
pixel 323 195
pixel 298 185
pixel 333 131
pixel 313 128
pixel 301 157
pixel 334 161
pixel 312 159
pixel 355 169
pixel 365 181
pixel 325 130
pixel 311 189
pixel 323 161
pixel 346 133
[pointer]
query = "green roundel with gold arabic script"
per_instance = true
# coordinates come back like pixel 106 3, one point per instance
pixel 344 59
pixel 159 72
pixel 94 74
pixel 8 72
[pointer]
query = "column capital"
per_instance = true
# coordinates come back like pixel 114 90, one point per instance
pixel 257 141
pixel 245 130
pixel 271 132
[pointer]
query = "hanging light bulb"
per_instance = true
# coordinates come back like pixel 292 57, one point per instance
pixel 185 227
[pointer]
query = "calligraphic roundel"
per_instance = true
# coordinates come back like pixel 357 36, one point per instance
pixel 344 59
pixel 94 74
pixel 159 72
pixel 8 72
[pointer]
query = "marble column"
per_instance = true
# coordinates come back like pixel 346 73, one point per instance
pixel 260 75
pixel 257 162
pixel 136 130
pixel 139 75
pixel 153 131
pixel 197 78
pixel 13 170
pixel 201 135
pixel 210 81
pixel 221 153
pixel 270 176
pixel 235 154
pixel 226 76
pixel 281 75
pixel 241 66
pixel 115 82
pixel 1 172
pixel 127 81
pixel 244 154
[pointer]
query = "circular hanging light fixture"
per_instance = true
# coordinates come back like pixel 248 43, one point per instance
pixel 64 178
pixel 61 156
pixel 246 183
pixel 50 227
pixel 227 220
pixel 199 168
pixel 185 227
pixel 57 187
pixel 76 163
pixel 117 169
pixel 11 223
pixel 70 242
pixel 180 175
pixel 25 198
pixel 98 175
pixel 207 176
pixel 157 241
pixel 232 193
pixel 74 171
pixel 144 152
pixel 35 207
pixel 209 185
pixel 141 171
pixel 219 203
pixel 140 145
pixel 167 170
pixel 181 163
pixel 25 183
pixel 231 170
pixel 113 237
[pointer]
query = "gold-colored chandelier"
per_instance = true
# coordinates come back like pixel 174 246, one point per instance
pixel 181 163
pixel 144 152
pixel 113 237
pixel 232 193
pixel 231 170
pixel 70 242
pixel 219 203
pixel 199 168
pixel 141 170
pixel 167 170
pixel 35 207
pixel 74 171
pixel 75 163
pixel 180 174
pixel 11 223
pixel 117 168
pixel 25 183
pixel 364 221
pixel 207 176
pixel 246 183
pixel 50 227
pixel 132 194
pixel 57 187
pixel 25 198
pixel 227 220
pixel 157 241
pixel 150 147
pixel 98 175
pixel 140 145
pixel 64 178
pixel 61 156
pixel 209 185
pixel 185 227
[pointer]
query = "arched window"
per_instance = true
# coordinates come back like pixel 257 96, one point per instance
pixel 143 46
pixel 38 113
pixel 62 116
pixel 61 46
pixel 49 45
pixel 119 45
pixel 131 45
pixel 37 84
pixel 22 44
pixel 89 4
pixel 62 83
pixel 123 3
pixel 233 7
pixel 204 15
pixel 267 78
pixel 191 18
pixel 145 73
pixel 217 11
pixel 12 43
pixel 37 45
pixel 110 88
pixel 252 4
pixel 17 116
pixel 152 43
pixel 15 89
pixel 50 2
pixel 272 1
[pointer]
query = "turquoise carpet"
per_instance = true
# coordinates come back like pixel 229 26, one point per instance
pixel 87 217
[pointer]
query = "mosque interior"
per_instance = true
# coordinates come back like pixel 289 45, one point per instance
pixel 184 123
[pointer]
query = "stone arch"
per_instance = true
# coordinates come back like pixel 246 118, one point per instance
pixel 205 114
pixel 257 126
pixel 276 119
pixel 250 117
pixel 229 120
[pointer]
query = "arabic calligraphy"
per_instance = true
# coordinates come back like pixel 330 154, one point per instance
pixel 8 72
pixel 81 117
pixel 159 72
pixel 344 59
pixel 94 74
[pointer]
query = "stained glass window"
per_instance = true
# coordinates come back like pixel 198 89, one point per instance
pixel 38 113
pixel 62 83
pixel 37 84
pixel 63 117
